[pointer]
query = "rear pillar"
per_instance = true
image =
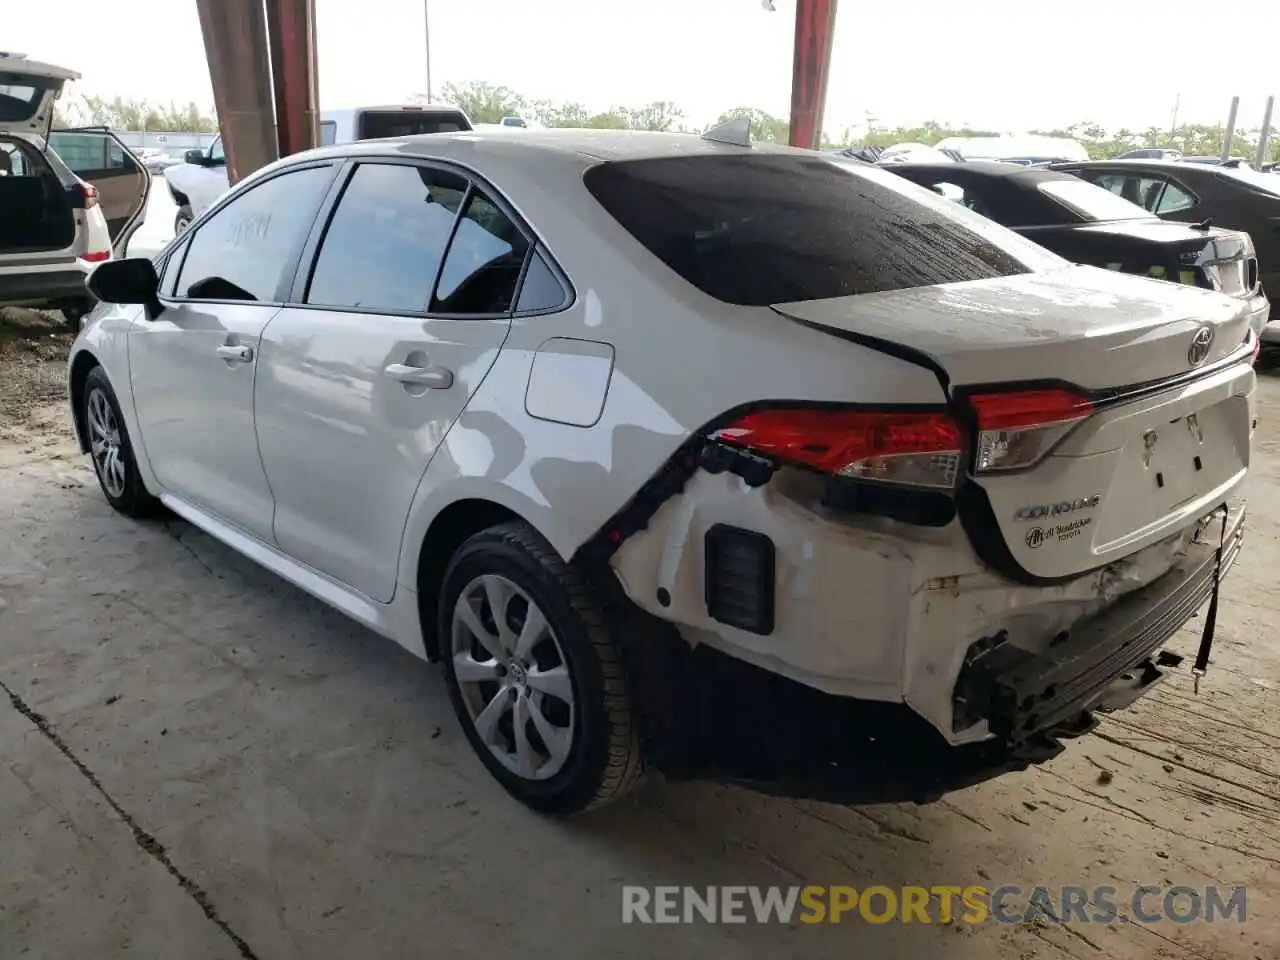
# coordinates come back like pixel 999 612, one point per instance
pixel 815 27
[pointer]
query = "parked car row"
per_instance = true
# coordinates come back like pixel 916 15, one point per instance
pixel 1109 212
pixel 1088 224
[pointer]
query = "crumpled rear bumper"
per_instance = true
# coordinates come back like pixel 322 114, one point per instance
pixel 1106 661
pixel 723 718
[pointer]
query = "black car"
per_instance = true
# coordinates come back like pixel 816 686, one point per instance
pixel 1086 224
pixel 1235 197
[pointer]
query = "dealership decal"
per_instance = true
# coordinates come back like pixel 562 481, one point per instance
pixel 1046 511
pixel 1062 532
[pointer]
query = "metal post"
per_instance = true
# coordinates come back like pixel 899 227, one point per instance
pixel 1231 127
pixel 1264 139
pixel 810 66
pixel 235 44
pixel 426 36
pixel 291 24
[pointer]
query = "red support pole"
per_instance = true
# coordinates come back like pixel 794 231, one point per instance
pixel 291 25
pixel 235 43
pixel 815 27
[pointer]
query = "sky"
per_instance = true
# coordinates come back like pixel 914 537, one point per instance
pixel 994 64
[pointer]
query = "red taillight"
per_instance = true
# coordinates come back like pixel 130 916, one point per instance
pixel 97 256
pixel 909 447
pixel 1017 428
pixel 83 195
pixel 1031 408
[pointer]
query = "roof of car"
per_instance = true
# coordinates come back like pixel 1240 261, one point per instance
pixel 986 168
pixel 594 144
pixel 1134 162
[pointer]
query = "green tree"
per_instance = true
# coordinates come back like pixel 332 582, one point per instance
pixel 765 127
pixel 658 115
pixel 121 113
pixel 570 114
pixel 484 102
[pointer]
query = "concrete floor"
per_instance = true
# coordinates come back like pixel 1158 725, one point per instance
pixel 197 760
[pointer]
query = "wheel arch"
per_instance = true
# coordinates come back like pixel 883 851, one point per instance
pixel 81 364
pixel 448 530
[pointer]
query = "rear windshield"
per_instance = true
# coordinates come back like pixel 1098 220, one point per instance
pixel 1092 202
pixel 1262 182
pixel 775 228
pixel 409 123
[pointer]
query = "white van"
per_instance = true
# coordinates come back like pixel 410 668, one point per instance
pixel 198 183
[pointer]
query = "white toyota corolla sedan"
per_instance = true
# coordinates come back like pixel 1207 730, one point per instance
pixel 723 459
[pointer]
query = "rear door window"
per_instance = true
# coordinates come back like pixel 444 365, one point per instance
pixel 775 228
pixel 386 240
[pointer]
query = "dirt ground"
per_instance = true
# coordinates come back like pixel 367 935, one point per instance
pixel 197 760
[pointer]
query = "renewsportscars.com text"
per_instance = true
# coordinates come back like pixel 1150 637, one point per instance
pixel 1008 904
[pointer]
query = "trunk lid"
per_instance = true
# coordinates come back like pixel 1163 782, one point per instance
pixel 1162 445
pixel 1095 328
pixel 28 91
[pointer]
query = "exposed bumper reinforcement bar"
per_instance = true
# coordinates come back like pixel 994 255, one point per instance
pixel 1022 694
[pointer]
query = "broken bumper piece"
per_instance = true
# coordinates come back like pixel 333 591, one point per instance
pixel 1105 662
pixel 744 724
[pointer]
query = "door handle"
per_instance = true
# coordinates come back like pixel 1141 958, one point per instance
pixel 235 352
pixel 433 378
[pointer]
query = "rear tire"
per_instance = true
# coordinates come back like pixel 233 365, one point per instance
pixel 563 687
pixel 111 449
pixel 183 219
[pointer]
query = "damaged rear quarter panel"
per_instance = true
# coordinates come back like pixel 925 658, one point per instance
pixel 842 589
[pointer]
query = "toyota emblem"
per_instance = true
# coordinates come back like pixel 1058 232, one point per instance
pixel 1201 341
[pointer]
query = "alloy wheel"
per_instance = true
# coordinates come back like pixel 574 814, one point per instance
pixel 513 676
pixel 104 443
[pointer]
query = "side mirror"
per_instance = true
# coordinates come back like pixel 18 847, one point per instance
pixel 132 280
pixel 194 156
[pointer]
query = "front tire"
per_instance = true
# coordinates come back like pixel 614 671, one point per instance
pixel 183 219
pixel 112 452
pixel 534 676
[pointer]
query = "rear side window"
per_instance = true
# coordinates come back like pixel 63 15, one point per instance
pixel 409 123
pixel 328 133
pixel 482 269
pixel 758 230
pixel 541 290
pixel 383 247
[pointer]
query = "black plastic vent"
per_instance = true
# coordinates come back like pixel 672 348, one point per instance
pixel 740 578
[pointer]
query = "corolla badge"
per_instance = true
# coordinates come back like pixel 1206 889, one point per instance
pixel 1201 341
pixel 1038 511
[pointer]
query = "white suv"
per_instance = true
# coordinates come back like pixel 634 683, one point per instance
pixel 70 199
